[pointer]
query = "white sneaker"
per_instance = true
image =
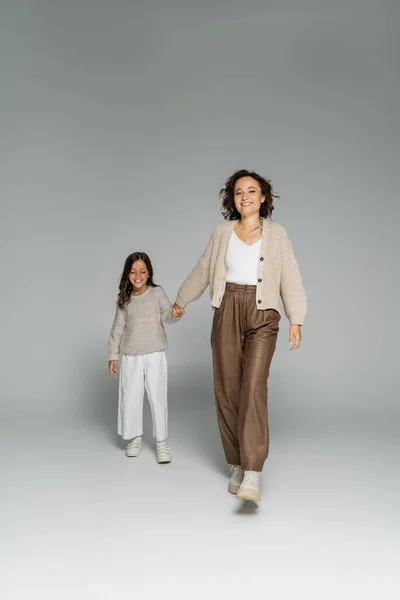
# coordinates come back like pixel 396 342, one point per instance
pixel 250 487
pixel 236 479
pixel 134 447
pixel 164 454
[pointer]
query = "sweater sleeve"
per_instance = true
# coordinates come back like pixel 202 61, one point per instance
pixel 165 307
pixel 198 279
pixel 117 330
pixel 291 287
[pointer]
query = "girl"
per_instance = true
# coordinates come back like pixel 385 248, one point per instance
pixel 138 334
pixel 249 264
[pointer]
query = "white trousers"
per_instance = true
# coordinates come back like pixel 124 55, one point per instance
pixel 136 374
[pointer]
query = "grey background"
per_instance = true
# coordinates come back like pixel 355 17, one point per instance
pixel 120 122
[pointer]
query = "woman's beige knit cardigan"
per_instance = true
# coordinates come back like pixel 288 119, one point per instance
pixel 278 272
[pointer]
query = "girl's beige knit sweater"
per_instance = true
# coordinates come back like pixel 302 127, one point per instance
pixel 138 328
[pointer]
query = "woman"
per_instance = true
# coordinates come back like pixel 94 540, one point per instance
pixel 249 264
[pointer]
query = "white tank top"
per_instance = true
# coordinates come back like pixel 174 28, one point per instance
pixel 242 261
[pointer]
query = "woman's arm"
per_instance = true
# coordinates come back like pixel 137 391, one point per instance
pixel 117 330
pixel 165 307
pixel 198 279
pixel 291 288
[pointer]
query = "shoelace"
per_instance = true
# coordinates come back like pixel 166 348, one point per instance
pixel 163 450
pixel 251 477
pixel 135 444
pixel 236 471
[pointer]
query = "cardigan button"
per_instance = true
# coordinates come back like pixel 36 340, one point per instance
pixel 261 258
pixel 260 280
pixel 259 301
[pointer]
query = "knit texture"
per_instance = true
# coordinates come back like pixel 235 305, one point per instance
pixel 278 273
pixel 138 328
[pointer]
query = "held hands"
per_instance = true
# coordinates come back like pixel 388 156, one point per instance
pixel 112 367
pixel 177 311
pixel 294 337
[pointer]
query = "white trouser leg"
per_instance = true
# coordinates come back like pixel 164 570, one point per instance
pixel 131 392
pixel 156 382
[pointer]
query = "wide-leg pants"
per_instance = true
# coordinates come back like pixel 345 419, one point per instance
pixel 243 342
pixel 137 374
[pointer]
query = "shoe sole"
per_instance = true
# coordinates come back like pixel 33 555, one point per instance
pixel 247 494
pixel 164 462
pixel 132 455
pixel 233 489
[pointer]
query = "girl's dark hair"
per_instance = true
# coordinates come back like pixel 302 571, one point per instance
pixel 125 286
pixel 228 207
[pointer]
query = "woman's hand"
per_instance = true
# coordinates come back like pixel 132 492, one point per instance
pixel 177 311
pixel 112 367
pixel 294 337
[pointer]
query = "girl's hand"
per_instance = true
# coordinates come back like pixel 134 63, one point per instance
pixel 112 367
pixel 294 337
pixel 177 311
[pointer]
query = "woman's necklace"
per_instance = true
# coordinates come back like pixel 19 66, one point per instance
pixel 250 240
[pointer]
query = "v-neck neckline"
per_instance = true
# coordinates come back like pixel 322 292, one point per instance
pixel 244 243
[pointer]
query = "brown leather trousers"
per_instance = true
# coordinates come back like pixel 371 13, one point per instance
pixel 243 341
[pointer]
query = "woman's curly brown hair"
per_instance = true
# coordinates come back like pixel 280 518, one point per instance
pixel 125 286
pixel 228 207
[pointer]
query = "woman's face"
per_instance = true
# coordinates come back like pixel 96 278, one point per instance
pixel 248 196
pixel 138 275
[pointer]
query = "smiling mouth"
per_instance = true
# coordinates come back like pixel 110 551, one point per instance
pixel 246 203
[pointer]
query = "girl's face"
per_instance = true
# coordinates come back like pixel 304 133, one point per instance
pixel 139 275
pixel 248 196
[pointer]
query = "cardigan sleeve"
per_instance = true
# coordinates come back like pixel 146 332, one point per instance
pixel 116 333
pixel 198 279
pixel 291 287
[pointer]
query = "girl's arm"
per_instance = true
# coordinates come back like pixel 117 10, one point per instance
pixel 116 332
pixel 198 279
pixel 292 290
pixel 165 307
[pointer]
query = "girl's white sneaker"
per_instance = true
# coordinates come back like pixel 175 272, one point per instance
pixel 134 447
pixel 250 487
pixel 164 454
pixel 236 479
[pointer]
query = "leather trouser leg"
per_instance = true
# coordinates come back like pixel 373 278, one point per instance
pixel 243 342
